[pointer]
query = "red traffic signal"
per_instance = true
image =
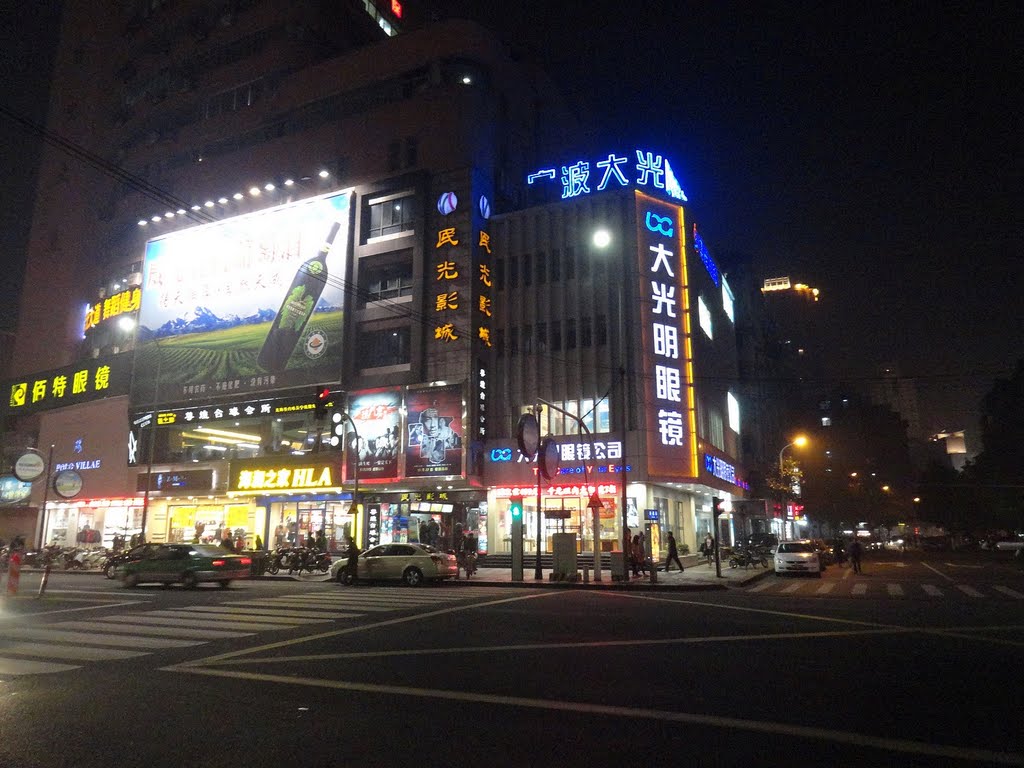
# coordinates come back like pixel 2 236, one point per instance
pixel 321 401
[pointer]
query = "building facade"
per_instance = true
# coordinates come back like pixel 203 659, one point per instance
pixel 310 281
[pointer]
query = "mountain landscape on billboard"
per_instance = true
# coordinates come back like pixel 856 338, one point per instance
pixel 203 319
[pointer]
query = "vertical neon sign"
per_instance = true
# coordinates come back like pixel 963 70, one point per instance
pixel 669 397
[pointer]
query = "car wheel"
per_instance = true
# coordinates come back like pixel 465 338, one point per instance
pixel 189 580
pixel 413 577
pixel 345 577
pixel 108 570
pixel 733 562
pixel 130 580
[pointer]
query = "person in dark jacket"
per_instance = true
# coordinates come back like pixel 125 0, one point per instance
pixel 353 561
pixel 673 554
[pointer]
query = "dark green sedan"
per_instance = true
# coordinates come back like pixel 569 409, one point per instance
pixel 185 564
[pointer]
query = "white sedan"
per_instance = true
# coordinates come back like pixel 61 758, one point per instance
pixel 410 563
pixel 799 556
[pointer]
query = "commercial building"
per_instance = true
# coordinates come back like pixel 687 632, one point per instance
pixel 312 271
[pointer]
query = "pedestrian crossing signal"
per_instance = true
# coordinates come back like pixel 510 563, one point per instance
pixel 515 508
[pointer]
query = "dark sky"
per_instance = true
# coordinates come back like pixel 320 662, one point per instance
pixel 870 149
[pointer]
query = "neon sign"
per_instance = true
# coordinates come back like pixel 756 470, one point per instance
pixel 639 167
pixel 297 478
pixel 705 256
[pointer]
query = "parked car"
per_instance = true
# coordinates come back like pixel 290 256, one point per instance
pixel 410 563
pixel 188 564
pixel 799 556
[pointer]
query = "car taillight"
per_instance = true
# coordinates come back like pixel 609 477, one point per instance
pixel 217 563
pixel 246 561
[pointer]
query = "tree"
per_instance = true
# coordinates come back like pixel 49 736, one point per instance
pixel 999 468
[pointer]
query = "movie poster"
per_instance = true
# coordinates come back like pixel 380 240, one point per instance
pixel 377 416
pixel 434 432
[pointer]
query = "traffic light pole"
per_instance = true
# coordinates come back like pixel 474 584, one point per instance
pixel 716 512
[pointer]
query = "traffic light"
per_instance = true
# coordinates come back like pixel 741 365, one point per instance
pixel 515 508
pixel 321 400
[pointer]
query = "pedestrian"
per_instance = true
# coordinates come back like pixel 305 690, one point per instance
pixel 353 562
pixel 673 554
pixel 642 554
pixel 855 551
pixel 635 552
pixel 226 542
pixel 321 540
pixel 259 542
pixel 707 548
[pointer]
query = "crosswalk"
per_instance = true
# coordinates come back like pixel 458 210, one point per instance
pixel 881 588
pixel 63 646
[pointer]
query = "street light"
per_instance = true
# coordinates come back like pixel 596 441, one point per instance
pixel 799 441
pixel 337 418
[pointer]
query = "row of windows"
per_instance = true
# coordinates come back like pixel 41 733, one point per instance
pixel 595 416
pixel 555 336
pixel 234 99
pixel 543 267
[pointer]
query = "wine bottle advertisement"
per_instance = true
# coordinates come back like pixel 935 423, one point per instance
pixel 250 304
pixel 435 432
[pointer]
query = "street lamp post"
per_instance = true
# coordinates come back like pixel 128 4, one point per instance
pixel 338 417
pixel 800 441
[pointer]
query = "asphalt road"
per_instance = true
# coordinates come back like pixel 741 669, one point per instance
pixel 286 673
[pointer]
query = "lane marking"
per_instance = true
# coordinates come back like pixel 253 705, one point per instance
pixel 895 590
pixel 859 589
pixel 1007 591
pixel 825 588
pixel 790 589
pixel 564 646
pixel 71 610
pixel 969 591
pixel 27 667
pixel 906 746
pixel 271 610
pixel 205 634
pixel 238 617
pixel 762 586
pixel 936 570
pixel 72 652
pixel 366 627
pixel 847 573
pixel 932 590
pixel 87 638
pixel 172 621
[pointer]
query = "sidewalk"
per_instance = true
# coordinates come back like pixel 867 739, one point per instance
pixel 694 578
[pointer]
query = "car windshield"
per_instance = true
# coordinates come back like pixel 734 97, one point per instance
pixel 209 550
pixel 796 546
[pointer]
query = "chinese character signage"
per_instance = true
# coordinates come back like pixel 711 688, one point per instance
pixel 434 444
pixel 664 314
pixel 119 304
pixel 378 420
pixel 638 168
pixel 73 384
pixel 259 476
pixel 247 305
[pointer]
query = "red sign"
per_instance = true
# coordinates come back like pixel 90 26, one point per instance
pixel 396 8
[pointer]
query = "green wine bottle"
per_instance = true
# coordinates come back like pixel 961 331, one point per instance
pixel 299 302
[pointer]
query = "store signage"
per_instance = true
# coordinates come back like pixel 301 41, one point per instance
pixel 652 514
pixel 667 354
pixel 261 475
pixel 605 489
pixel 723 470
pixel 78 466
pixel 185 480
pixel 372 525
pixel 435 430
pixel 638 168
pixel 13 490
pixel 29 466
pixel 67 484
pixel 119 304
pixel 71 385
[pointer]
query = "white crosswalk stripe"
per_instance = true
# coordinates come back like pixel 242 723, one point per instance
pixel 1007 591
pixel 932 590
pixel 45 649
pixel 761 587
pixel 859 589
pixel 791 589
pixel 825 588
pixel 969 591
pixel 894 589
pixel 839 588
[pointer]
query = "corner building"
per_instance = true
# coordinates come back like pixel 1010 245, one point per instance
pixel 255 203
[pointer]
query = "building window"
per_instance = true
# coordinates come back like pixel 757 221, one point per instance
pixel 391 217
pixel 727 301
pixel 556 336
pixel 528 269
pixel 381 282
pixel 513 342
pixel 527 339
pixel 586 332
pixel 717 433
pixel 584 266
pixel 826 421
pixel 570 263
pixel 233 99
pixel 382 348
pixel 556 265
pixel 602 417
pixel 602 330
pixel 513 272
pixel 570 333
pixel 499 342
pixel 542 268
pixel 542 337
pixel 704 317
pixel 733 407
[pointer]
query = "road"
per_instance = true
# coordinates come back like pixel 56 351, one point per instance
pixel 283 673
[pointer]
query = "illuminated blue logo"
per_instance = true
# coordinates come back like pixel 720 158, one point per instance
pixel 705 256
pixel 652 170
pixel 723 470
pixel 662 224
pixel 499 455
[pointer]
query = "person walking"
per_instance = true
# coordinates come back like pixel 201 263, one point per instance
pixel 707 548
pixel 635 553
pixel 855 552
pixel 353 561
pixel 673 554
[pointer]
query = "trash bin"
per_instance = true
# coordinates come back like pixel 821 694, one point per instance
pixel 259 562
pixel 617 566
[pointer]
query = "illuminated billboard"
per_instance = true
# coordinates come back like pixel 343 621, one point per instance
pixel 251 304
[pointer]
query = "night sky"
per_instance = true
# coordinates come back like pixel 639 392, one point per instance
pixel 870 149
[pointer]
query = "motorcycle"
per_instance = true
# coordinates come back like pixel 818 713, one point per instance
pixel 746 558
